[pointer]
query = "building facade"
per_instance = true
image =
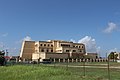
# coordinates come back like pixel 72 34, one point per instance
pixel 118 55
pixel 51 49
pixel 91 55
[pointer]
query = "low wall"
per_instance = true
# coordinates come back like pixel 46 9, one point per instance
pixel 79 60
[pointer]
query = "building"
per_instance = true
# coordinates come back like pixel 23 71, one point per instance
pixel 51 49
pixel 118 55
pixel 91 55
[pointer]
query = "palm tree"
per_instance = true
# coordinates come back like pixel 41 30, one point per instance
pixel 113 56
pixel 2 59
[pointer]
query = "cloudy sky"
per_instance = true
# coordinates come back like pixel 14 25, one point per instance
pixel 92 22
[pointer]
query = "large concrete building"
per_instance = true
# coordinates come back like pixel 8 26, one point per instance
pixel 51 49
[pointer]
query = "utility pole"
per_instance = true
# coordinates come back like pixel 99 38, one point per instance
pixel 84 64
pixel 108 68
pixel 6 52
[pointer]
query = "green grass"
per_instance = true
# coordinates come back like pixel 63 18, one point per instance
pixel 45 72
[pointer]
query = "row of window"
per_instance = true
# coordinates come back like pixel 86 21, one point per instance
pixel 73 51
pixel 46 45
pixel 51 50
pixel 67 45
pixel 46 50
pixel 79 46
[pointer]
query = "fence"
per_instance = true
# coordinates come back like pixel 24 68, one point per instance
pixel 73 63
pixel 79 60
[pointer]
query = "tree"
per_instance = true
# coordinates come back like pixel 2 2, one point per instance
pixel 2 59
pixel 113 56
pixel 2 53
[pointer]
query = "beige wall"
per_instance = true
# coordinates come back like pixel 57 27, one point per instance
pixel 56 55
pixel 55 43
pixel 43 55
pixel 118 55
pixel 35 56
pixel 91 55
pixel 27 49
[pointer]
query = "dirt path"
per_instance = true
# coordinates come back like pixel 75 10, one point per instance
pixel 87 66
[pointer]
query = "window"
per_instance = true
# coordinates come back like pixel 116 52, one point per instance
pixel 51 45
pixel 48 45
pixel 42 50
pixel 40 44
pixel 65 45
pixel 59 50
pixel 44 44
pixel 80 50
pixel 51 50
pixel 82 46
pixel 67 50
pixel 47 50
pixel 74 50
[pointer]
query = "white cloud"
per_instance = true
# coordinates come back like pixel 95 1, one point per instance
pixel 5 34
pixel 98 49
pixel 90 44
pixel 117 13
pixel 1 45
pixel 15 48
pixel 27 38
pixel 13 51
pixel 113 50
pixel 111 27
pixel 73 40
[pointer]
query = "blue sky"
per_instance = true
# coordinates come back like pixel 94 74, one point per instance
pixel 93 22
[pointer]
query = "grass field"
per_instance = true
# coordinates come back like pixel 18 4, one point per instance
pixel 46 72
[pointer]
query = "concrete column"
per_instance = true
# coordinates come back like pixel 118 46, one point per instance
pixel 80 60
pixel 93 60
pixel 24 60
pixel 59 60
pixel 68 60
pixel 72 60
pixel 63 60
pixel 87 60
pixel 76 60
pixel 54 60
pixel 83 60
pixel 90 60
pixel 16 60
